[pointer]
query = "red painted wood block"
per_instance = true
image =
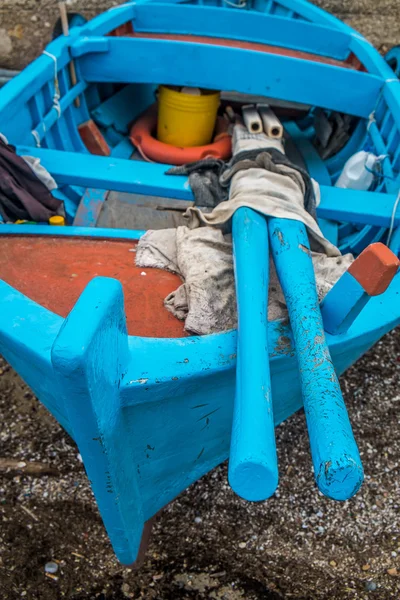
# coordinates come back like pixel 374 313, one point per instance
pixel 93 139
pixel 375 268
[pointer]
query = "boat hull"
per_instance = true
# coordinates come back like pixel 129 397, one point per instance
pixel 150 416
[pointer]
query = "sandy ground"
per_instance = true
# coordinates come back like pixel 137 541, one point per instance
pixel 208 544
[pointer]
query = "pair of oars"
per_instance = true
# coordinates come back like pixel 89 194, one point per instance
pixel 253 467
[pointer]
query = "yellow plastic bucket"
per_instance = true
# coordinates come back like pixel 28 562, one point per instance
pixel 186 120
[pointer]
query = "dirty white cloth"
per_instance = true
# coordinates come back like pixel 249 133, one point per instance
pixel 40 172
pixel 202 255
pixel 206 300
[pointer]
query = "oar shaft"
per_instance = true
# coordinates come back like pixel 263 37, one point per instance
pixel 337 465
pixel 253 467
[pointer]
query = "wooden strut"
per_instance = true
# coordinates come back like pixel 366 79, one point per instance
pixel 65 28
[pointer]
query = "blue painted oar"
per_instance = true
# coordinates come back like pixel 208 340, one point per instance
pixel 337 464
pixel 253 466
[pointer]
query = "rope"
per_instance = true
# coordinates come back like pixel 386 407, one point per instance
pixel 37 137
pixel 379 173
pixel 241 4
pixel 57 95
pixel 371 119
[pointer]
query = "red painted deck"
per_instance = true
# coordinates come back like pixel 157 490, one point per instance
pixel 54 271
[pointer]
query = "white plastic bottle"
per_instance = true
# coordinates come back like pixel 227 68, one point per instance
pixel 356 174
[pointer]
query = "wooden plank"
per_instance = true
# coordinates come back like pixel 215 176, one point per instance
pixel 108 173
pixel 249 26
pixel 250 72
pixel 89 207
pixel 123 107
pixel 391 93
pixel 52 116
pixel 367 208
pixel 330 229
pixel 72 231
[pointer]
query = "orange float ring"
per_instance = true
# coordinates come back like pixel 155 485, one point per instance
pixel 141 136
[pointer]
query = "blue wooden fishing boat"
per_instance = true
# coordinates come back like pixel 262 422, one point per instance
pixel 150 407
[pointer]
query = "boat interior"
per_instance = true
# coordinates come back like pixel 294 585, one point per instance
pixel 331 98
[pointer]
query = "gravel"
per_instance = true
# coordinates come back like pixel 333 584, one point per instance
pixel 209 544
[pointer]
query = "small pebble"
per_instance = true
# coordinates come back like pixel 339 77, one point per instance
pixel 370 586
pixel 198 520
pixel 51 567
pixel 242 545
pixel 333 563
pixel 366 567
pixel 143 273
pixel 393 572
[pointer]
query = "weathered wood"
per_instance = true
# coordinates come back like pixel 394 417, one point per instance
pixel 93 139
pixel 253 464
pixel 89 208
pixel 10 467
pixel 337 465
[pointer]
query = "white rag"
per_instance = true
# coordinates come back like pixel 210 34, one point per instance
pixel 202 257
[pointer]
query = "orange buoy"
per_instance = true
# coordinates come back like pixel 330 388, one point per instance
pixel 142 135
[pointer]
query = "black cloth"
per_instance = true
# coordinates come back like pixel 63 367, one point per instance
pixel 22 194
pixel 209 179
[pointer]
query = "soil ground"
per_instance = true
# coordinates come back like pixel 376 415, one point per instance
pixel 209 544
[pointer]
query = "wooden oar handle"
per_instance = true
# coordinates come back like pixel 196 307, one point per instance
pixel 253 466
pixel 337 464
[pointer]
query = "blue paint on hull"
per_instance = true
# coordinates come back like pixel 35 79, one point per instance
pixel 151 416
